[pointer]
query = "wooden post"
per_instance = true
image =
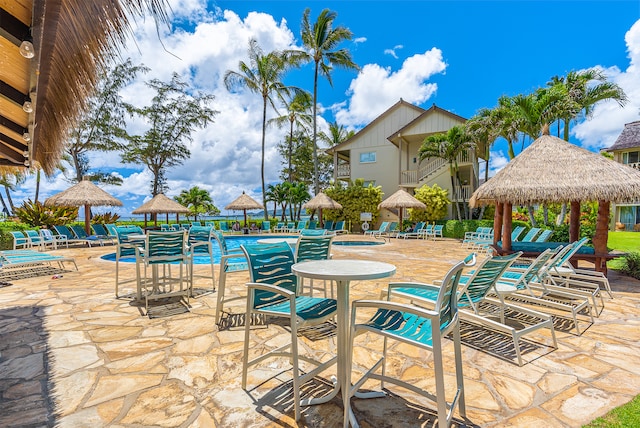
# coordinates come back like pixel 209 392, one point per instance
pixel 574 221
pixel 602 235
pixel 506 228
pixel 497 223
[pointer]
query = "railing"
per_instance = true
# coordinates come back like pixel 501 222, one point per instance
pixel 344 170
pixel 635 165
pixel 437 163
pixel 463 193
pixel 409 177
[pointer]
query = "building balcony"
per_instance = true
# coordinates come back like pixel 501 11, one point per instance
pixel 343 171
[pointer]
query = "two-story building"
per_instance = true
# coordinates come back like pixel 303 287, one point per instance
pixel 385 153
pixel 626 150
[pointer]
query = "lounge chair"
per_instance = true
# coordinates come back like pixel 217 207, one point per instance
pixel 328 224
pixel 196 223
pixel 71 237
pixel 416 327
pixel 12 259
pixel 103 233
pixel 20 240
pixel 516 232
pixel 54 240
pixel 302 224
pixel 82 234
pixel 35 240
pixel 413 233
pixel 290 227
pixel 338 228
pixel 273 292
pixel 544 235
pixel 265 226
pixel 313 224
pixel 384 226
pixel 165 227
pixel 280 227
pixel 313 232
pixel 224 226
pixel 531 234
pixel 231 260
pixel 125 247
pixel 425 232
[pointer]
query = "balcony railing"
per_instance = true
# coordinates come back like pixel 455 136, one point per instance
pixel 463 193
pixel 635 165
pixel 344 171
pixel 409 177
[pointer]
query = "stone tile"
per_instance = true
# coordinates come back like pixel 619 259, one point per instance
pixel 515 394
pixel 164 406
pixel 67 360
pixel 70 390
pixel 134 347
pixel 110 387
pixel 146 363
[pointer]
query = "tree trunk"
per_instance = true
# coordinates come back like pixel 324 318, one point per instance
pixel 264 132
pixel 602 228
pixel 316 184
pixel 4 205
pixel 13 208
pixel 453 191
pixel 562 215
pixel 506 227
pixel 37 185
pixel 290 148
pixel 532 217
pixel 497 223
pixel 574 221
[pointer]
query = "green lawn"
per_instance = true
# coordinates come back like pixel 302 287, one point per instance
pixel 622 241
pixel 624 416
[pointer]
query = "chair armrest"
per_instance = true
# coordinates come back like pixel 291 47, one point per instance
pixel 424 292
pixel 393 306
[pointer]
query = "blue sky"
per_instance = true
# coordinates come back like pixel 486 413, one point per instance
pixel 459 55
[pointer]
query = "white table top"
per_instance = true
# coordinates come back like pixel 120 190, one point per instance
pixel 343 270
pixel 290 241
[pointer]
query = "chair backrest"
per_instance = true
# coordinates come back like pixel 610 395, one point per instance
pixel 196 223
pixel 33 236
pixel 537 269
pixel 301 225
pixel 567 252
pixel 164 247
pixel 484 277
pixel 99 229
pixel 312 224
pixel 312 232
pixel 199 235
pixel 123 232
pixel 266 225
pixel 111 229
pixel 328 224
pixel 339 225
pixel 447 303
pixel 419 226
pixel 47 235
pixel 544 235
pixel 185 226
pixel 165 227
pixel 222 242
pixel 64 231
pixel 313 248
pixel 516 232
pixel 291 225
pixel 224 226
pixel 531 234
pixel 270 264
pixel 19 238
pixel 383 226
pixel 79 231
pixel 438 228
pixel 392 226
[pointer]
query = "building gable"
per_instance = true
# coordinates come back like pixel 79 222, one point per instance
pixel 628 139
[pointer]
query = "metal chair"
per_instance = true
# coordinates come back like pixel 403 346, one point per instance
pixel 314 248
pixel 163 249
pixel 199 242
pixel 420 327
pixel 231 260
pixel 20 240
pixel 273 291
pixel 49 238
pixel 125 247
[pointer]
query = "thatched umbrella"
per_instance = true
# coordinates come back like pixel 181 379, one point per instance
pixel 244 202
pixel 320 202
pixel 84 193
pixel 552 170
pixel 160 204
pixel 401 199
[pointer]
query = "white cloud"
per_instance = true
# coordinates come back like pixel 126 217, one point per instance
pixel 376 88
pixel 608 119
pixel 392 52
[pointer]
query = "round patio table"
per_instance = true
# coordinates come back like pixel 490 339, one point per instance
pixel 343 272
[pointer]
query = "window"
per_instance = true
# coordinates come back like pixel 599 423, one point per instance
pixel 631 157
pixel 368 183
pixel 367 157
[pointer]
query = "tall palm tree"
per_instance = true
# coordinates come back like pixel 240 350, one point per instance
pixel 447 146
pixel 482 129
pixel 9 180
pixel 337 134
pixel 507 121
pixel 263 75
pixel 321 41
pixel 197 200
pixel 298 195
pixel 297 116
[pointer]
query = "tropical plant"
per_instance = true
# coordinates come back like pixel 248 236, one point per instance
pixel 263 75
pixel 355 199
pixel 321 41
pixel 9 180
pixel 631 265
pixel 437 201
pixel 297 117
pixel 171 118
pixel 36 214
pixel 448 146
pixel 105 218
pixel 298 195
pixel 101 123
pixel 198 201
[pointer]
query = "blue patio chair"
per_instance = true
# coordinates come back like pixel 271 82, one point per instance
pixel 328 224
pixel 20 240
pixel 280 227
pixel 10 259
pixel 313 248
pixel 302 224
pixel 265 226
pixel 199 245
pixel 80 233
pixel 414 233
pixel 210 224
pixel 54 240
pixel 438 231
pixel 312 224
pixel 224 226
pixel 419 327
pixel 125 247
pixel 231 260
pixel 196 223
pixel 338 228
pixel 290 227
pixel 273 291
pixel 163 249
pixel 313 232
pixel 71 237
pixel 165 227
pixel 35 240
pixel 103 233
pixel 544 236
pixel 531 234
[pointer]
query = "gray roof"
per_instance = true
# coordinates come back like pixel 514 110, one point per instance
pixel 629 138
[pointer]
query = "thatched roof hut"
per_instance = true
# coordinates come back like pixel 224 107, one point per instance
pixel 72 40
pixel 401 199
pixel 161 204
pixel 321 202
pixel 243 203
pixel 552 170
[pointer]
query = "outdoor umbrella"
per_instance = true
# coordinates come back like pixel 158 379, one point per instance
pixel 401 199
pixel 160 204
pixel 320 202
pixel 84 193
pixel 552 170
pixel 244 202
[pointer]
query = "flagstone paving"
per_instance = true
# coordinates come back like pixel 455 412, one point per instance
pixel 72 355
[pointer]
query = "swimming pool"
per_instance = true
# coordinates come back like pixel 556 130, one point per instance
pixel 232 242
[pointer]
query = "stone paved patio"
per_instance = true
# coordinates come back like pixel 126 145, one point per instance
pixel 72 355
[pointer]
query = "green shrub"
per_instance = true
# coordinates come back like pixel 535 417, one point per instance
pixel 437 201
pixel 631 265
pixel 36 214
pixel 105 218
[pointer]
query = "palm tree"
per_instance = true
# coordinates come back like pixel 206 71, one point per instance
pixel 337 134
pixel 197 200
pixel 298 195
pixel 447 146
pixel 297 117
pixel 482 129
pixel 270 196
pixel 507 121
pixel 321 41
pixel 263 75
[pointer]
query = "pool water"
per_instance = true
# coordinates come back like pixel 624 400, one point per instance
pixel 232 242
